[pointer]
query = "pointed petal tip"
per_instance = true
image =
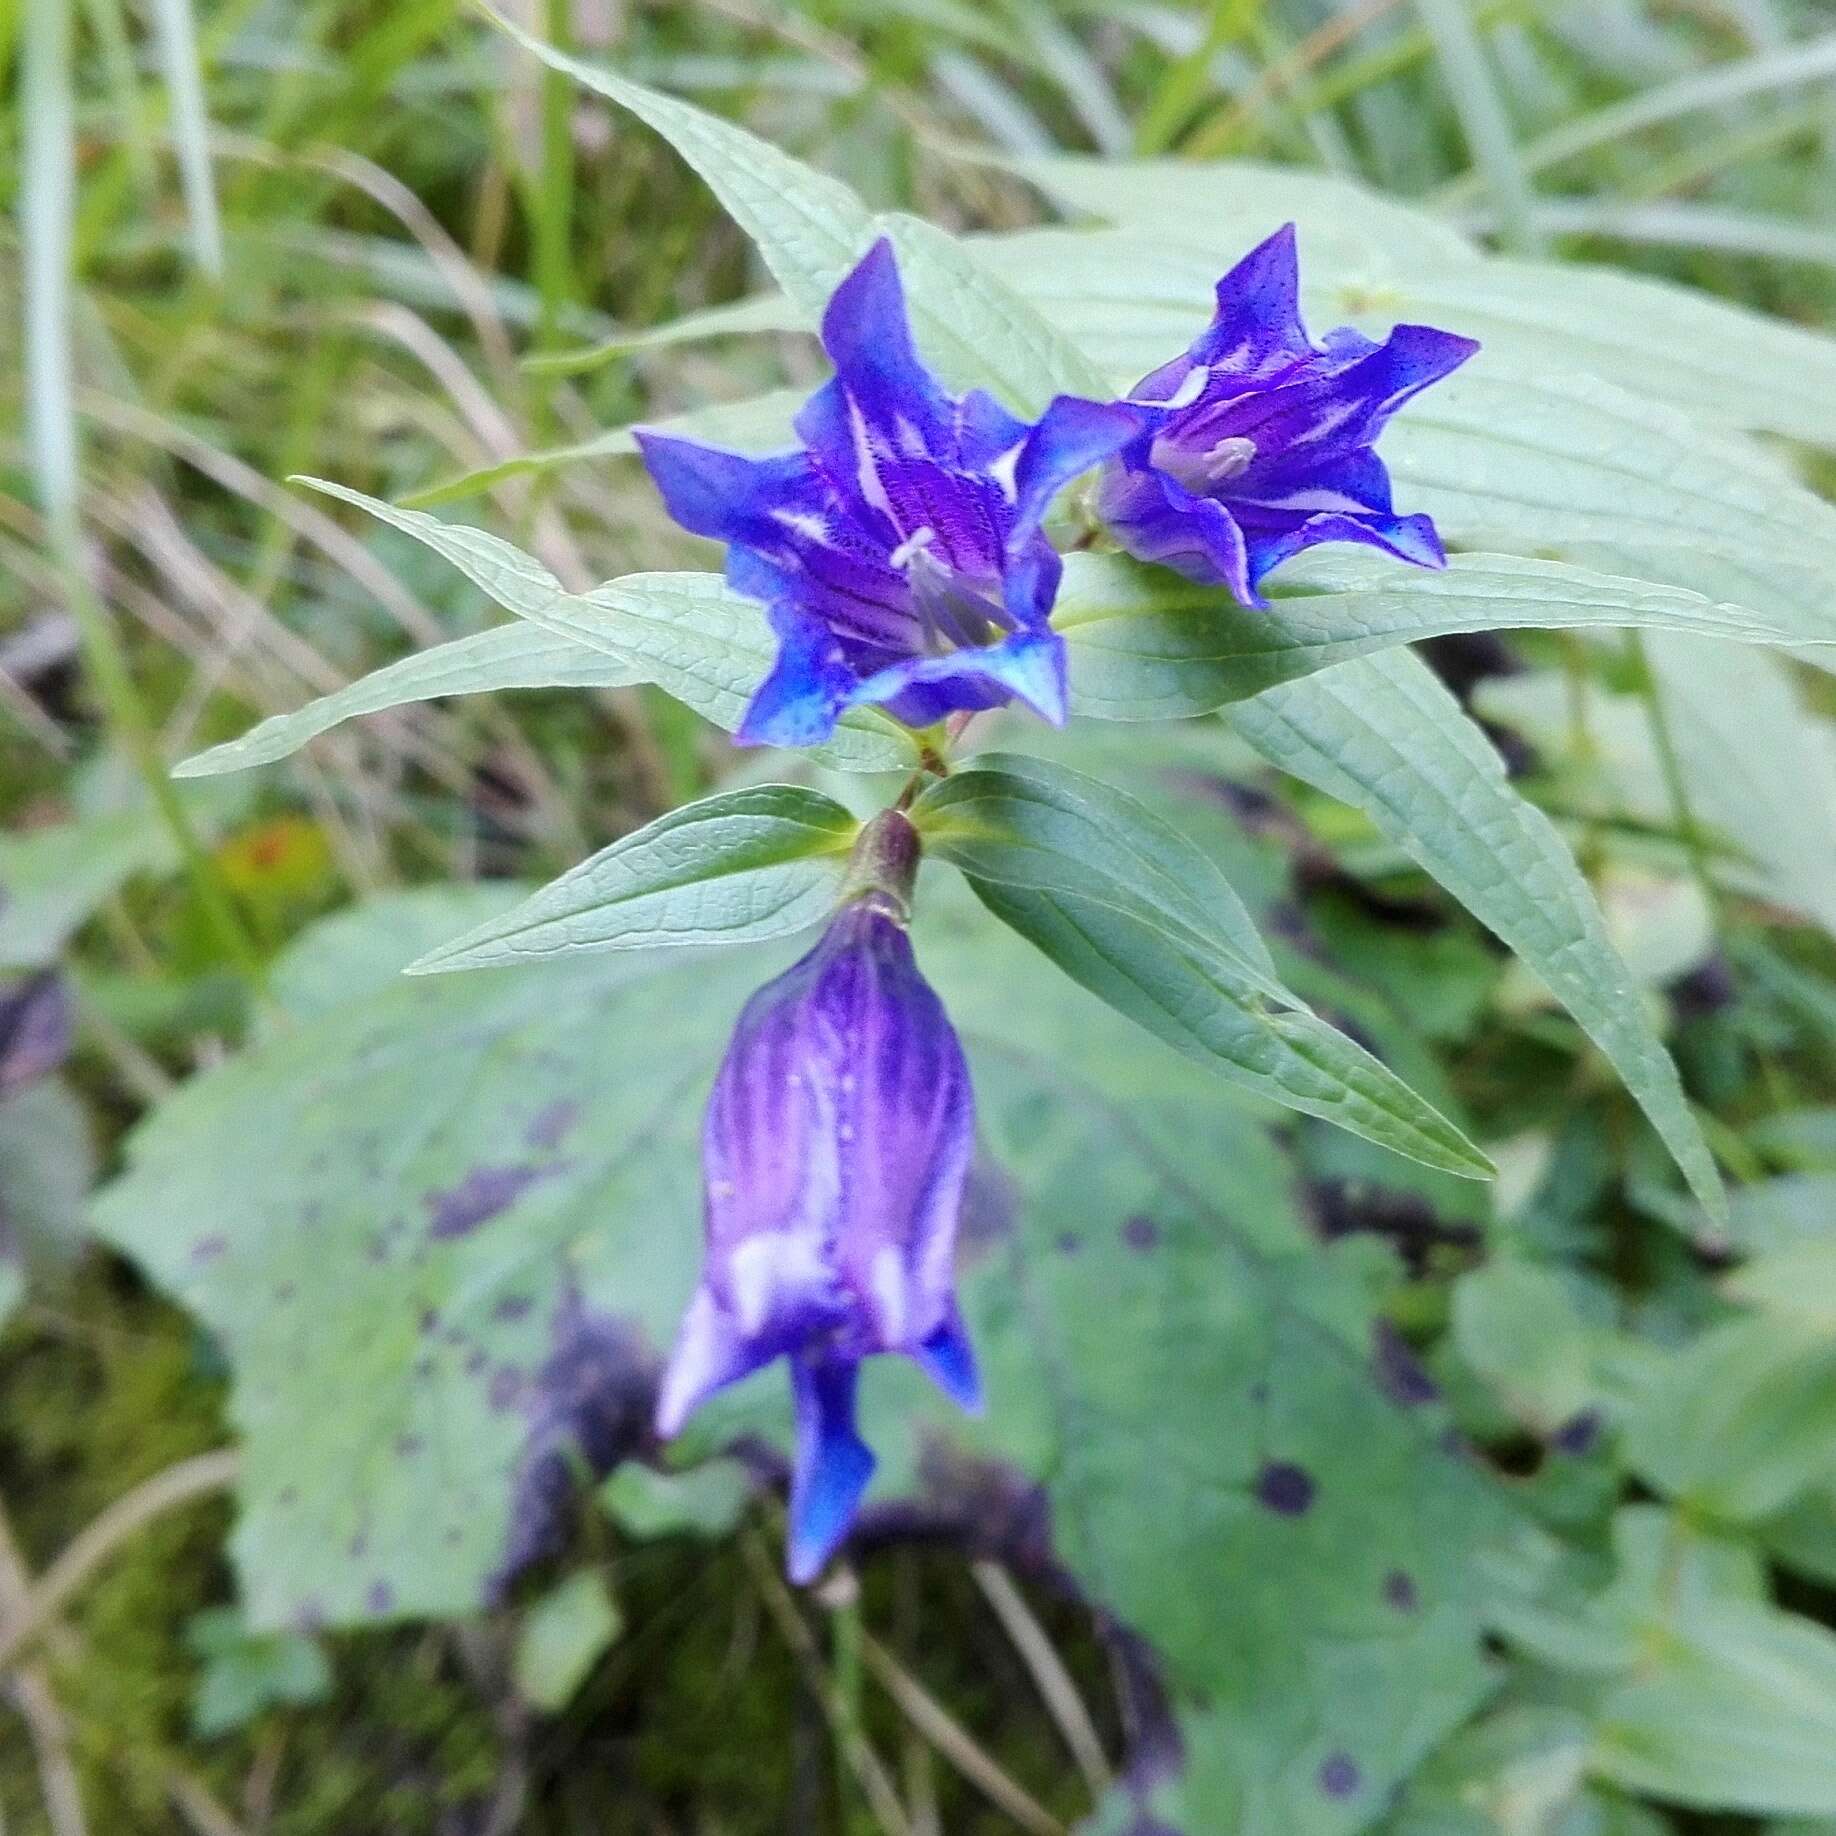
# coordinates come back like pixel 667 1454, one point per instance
pixel 948 1359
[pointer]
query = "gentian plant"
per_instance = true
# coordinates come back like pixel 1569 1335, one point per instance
pixel 901 558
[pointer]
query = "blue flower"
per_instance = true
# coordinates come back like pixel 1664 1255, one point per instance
pixel 1262 442
pixel 836 1144
pixel 899 553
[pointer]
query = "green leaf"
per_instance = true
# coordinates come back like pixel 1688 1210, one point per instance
pixel 708 1500
pixel 742 866
pixel 441 1229
pixel 1029 823
pixel 1756 763
pixel 1742 1419
pixel 1227 206
pixel 1383 735
pixel 246 1673
pixel 52 879
pixel 688 633
pixel 1737 1713
pixel 563 1635
pixel 1798 1282
pixel 510 657
pixel 1515 1325
pixel 1090 879
pixel 982 334
pixel 1148 645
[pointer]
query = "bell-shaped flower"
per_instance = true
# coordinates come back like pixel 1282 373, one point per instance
pixel 899 552
pixel 837 1140
pixel 1262 442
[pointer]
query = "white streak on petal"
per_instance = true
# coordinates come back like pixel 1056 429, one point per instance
pixel 1001 470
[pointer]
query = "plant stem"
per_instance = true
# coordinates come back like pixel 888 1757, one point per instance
pixel 1670 764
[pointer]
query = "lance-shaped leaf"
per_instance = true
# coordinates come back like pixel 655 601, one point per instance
pixel 745 865
pixel 691 634
pixel 1382 734
pixel 1148 645
pixel 1093 880
pixel 517 656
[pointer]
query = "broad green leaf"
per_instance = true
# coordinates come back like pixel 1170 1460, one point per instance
pixel 444 1233
pixel 510 657
pixel 1514 1324
pixel 1738 1712
pixel 1741 1420
pixel 1798 1282
pixel 563 1635
pixel 1382 734
pixel 1147 644
pixel 1234 204
pixel 1131 911
pixel 741 866
pixel 1131 299
pixel 688 633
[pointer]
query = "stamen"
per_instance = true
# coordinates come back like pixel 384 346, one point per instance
pixel 914 545
pixel 1203 472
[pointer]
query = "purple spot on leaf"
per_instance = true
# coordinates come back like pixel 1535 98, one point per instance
pixel 1579 1434
pixel 549 1126
pixel 512 1307
pixel 1141 1233
pixel 208 1249
pixel 380 1598
pixel 1339 1775
pixel 483 1194
pixel 1285 1488
pixel 408 1445
pixel 1399 1591
pixel 1069 1243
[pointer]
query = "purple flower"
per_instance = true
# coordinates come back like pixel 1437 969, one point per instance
pixel 836 1144
pixel 1262 442
pixel 899 553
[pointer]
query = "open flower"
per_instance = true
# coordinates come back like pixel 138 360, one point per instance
pixel 1262 442
pixel 899 553
pixel 836 1144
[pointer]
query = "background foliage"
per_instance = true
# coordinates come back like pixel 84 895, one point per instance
pixel 1323 1489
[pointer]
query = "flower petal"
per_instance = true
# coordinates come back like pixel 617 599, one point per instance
pixel 866 331
pixel 1156 519
pixel 1028 667
pixel 948 1359
pixel 1408 538
pixel 731 497
pixel 1070 437
pixel 833 1463
pixel 710 1353
pixel 1257 332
